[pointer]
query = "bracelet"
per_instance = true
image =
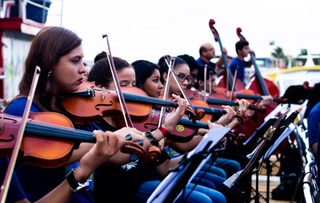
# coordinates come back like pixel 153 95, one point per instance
pixel 151 139
pixel 165 132
pixel 239 117
pixel 74 184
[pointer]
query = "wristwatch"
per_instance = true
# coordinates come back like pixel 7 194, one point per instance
pixel 151 139
pixel 74 184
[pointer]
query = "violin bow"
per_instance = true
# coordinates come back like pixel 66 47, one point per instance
pixel 205 82
pixel 123 105
pixel 166 88
pixel 5 185
pixel 192 113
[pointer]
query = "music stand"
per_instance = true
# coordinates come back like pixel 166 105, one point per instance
pixel 174 184
pixel 270 135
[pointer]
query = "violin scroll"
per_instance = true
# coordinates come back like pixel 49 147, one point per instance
pixel 153 154
pixel 133 149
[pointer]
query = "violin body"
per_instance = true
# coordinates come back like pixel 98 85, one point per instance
pixel 36 150
pixel 181 133
pixel 92 103
pixel 49 139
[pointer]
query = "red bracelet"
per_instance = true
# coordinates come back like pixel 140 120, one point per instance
pixel 164 131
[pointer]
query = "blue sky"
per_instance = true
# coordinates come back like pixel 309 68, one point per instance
pixel 148 29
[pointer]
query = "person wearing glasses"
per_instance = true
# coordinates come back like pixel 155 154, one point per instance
pixel 207 53
pixel 180 69
pixel 194 68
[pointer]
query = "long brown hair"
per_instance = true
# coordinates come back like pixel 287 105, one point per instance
pixel 47 47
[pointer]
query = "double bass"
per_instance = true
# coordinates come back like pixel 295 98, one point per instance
pixel 227 81
pixel 260 86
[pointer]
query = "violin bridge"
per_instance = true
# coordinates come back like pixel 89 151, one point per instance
pixel 103 95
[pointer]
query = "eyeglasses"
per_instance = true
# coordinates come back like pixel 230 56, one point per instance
pixel 211 49
pixel 182 77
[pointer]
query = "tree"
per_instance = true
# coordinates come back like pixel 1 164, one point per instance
pixel 278 54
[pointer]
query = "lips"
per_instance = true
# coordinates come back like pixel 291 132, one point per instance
pixel 80 80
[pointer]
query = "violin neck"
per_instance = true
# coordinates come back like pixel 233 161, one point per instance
pixel 220 102
pixel 188 122
pixel 33 128
pixel 248 96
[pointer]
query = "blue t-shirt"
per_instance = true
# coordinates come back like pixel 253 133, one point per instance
pixel 313 125
pixel 202 63
pixel 15 192
pixel 240 65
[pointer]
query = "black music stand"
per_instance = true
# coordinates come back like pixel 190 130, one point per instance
pixel 175 183
pixel 269 138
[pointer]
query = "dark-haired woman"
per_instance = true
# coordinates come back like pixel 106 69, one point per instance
pixel 58 52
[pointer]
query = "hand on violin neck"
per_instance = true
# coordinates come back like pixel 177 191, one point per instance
pixel 266 100
pixel 107 144
pixel 243 106
pixel 134 133
pixel 224 119
pixel 172 119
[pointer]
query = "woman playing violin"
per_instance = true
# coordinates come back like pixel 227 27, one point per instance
pixel 129 183
pixel 58 52
pixel 229 165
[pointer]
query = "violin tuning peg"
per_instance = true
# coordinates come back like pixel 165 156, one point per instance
pixel 133 157
pixel 139 142
pixel 128 137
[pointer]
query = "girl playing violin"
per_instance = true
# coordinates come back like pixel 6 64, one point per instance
pixel 58 52
pixel 130 183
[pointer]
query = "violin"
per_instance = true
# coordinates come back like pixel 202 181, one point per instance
pixel 260 109
pixel 100 102
pixel 259 97
pixel 49 139
pixel 90 103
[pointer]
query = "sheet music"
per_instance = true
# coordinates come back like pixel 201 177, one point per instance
pixel 231 180
pixel 163 190
pixel 285 134
pixel 282 108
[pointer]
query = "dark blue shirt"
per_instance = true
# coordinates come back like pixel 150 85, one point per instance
pixel 313 125
pixel 202 63
pixel 240 65
pixel 15 192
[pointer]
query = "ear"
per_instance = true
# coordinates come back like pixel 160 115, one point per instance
pixel 164 76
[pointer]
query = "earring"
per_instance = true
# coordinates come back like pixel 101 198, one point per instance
pixel 49 73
